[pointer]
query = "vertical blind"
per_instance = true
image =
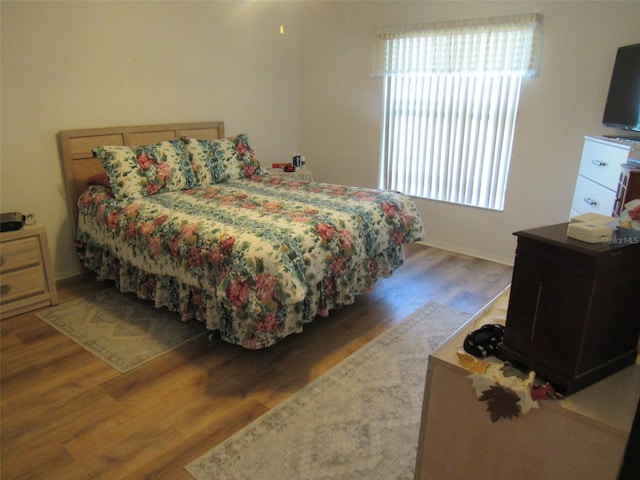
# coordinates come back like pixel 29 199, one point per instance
pixel 451 94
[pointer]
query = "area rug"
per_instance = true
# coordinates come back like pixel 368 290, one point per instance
pixel 360 420
pixel 120 329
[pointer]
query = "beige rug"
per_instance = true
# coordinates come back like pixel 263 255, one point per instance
pixel 360 420
pixel 120 329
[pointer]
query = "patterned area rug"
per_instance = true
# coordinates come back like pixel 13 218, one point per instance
pixel 120 329
pixel 360 420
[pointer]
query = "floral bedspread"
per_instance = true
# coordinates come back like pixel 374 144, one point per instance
pixel 254 258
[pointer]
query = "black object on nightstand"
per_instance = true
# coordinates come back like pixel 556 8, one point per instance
pixel 574 307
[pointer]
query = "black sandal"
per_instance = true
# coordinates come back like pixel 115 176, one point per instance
pixel 484 341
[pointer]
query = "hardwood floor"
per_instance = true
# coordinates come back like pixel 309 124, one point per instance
pixel 68 415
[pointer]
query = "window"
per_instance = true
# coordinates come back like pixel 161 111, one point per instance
pixel 451 95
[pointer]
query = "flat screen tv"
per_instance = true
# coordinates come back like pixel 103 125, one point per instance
pixel 622 109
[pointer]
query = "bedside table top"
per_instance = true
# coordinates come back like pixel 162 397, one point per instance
pixel 557 235
pixel 301 174
pixel 24 231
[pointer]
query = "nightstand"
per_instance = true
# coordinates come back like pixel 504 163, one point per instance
pixel 574 315
pixel 26 273
pixel 301 174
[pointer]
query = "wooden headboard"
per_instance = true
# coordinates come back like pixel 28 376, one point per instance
pixel 79 164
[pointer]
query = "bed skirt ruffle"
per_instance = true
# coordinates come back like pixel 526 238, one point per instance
pixel 193 302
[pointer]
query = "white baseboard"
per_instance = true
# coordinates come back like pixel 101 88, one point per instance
pixel 70 273
pixel 468 251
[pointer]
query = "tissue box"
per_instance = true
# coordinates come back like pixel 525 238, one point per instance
pixel 589 232
pixel 594 218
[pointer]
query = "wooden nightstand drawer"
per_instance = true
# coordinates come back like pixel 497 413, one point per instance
pixel 19 254
pixel 26 275
pixel 22 283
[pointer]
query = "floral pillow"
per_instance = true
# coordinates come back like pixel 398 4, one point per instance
pixel 143 171
pixel 221 160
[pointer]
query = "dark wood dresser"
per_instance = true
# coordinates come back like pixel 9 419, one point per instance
pixel 574 309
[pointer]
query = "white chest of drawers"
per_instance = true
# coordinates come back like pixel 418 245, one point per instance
pixel 599 173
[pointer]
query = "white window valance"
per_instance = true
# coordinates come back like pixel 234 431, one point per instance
pixel 497 44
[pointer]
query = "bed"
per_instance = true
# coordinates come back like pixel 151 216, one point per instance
pixel 187 218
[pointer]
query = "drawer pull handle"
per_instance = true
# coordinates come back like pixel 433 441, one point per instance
pixel 590 201
pixel 599 163
pixel 4 289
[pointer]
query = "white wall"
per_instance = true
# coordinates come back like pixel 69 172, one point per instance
pixel 72 65
pixel 91 64
pixel 341 107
